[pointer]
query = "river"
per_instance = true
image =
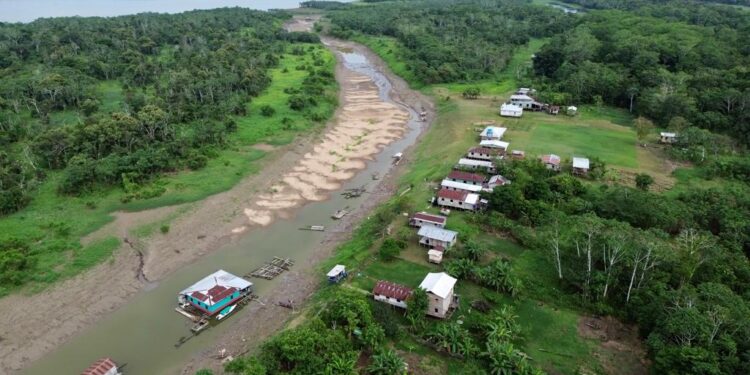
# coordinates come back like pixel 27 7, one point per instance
pixel 143 333
pixel 29 10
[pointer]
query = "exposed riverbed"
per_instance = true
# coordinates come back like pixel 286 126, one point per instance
pixel 377 118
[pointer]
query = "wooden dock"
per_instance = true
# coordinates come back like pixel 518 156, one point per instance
pixel 272 269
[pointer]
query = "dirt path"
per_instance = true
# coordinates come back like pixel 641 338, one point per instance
pixel 31 326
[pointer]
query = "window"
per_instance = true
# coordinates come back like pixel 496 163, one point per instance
pixel 398 300
pixel 460 203
pixel 436 309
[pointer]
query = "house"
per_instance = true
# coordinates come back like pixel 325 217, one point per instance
pixel 551 161
pixel 580 166
pixel 437 238
pixel 435 256
pixel 553 110
pixel 466 177
pixel 495 181
pixel 460 186
pixel 458 199
pixel 526 102
pixel 492 133
pixel 440 290
pixel 215 293
pixel 472 164
pixel 391 293
pixel 422 218
pixel 511 110
pixel 337 273
pixel 517 155
pixel 572 110
pixel 486 153
pixel 104 366
pixel 500 145
pixel 525 91
pixel 665 137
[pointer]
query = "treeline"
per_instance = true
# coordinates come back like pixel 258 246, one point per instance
pixel 449 41
pixel 183 77
pixel 676 265
pixel 664 62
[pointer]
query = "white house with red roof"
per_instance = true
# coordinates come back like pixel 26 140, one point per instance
pixel 551 161
pixel 472 164
pixel 458 199
pixel 485 153
pixel 104 366
pixel 391 293
pixel 420 219
pixel 467 177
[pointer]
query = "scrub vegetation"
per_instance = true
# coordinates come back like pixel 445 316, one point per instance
pixel 96 121
pixel 554 251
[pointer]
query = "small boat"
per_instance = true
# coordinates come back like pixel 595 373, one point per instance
pixel 227 310
pixel 376 176
pixel 316 228
pixel 340 214
pixel 201 325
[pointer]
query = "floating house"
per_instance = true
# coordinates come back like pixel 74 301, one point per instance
pixel 422 218
pixel 492 133
pixel 104 366
pixel 580 166
pixel 437 238
pixel 467 177
pixel 460 186
pixel 391 293
pixel 486 153
pixel 337 273
pixel 216 294
pixel 439 287
pixel 551 161
pixel 494 144
pixel 466 163
pixel 667 138
pixel 458 199
pixel 511 110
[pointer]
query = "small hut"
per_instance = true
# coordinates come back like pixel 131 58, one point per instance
pixel 435 255
pixel 572 110
pixel 337 273
pixel 580 166
pixel 667 138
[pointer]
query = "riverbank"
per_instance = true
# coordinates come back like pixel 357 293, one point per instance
pixel 35 325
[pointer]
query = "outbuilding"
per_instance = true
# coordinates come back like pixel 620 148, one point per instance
pixel 437 238
pixel 667 137
pixel 492 133
pixel 337 273
pixel 572 110
pixel 551 161
pixel 440 290
pixel 580 166
pixel 391 293
pixel 495 181
pixel 435 256
pixel 511 110
pixel 518 155
pixel 420 219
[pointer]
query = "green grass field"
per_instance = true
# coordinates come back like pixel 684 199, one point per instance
pixel 55 223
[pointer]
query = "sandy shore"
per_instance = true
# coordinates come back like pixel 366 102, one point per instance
pixel 308 170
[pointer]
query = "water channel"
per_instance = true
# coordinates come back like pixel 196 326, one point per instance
pixel 143 333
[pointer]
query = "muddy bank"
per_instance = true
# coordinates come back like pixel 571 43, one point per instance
pixel 32 326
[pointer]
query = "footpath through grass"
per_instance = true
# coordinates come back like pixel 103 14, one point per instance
pixel 54 224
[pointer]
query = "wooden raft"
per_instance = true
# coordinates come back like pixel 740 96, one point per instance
pixel 273 268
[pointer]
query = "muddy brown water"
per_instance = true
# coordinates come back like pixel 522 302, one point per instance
pixel 143 333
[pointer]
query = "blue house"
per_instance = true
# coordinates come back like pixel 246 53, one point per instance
pixel 215 292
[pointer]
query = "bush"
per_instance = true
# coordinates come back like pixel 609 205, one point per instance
pixel 643 181
pixel 390 249
pixel 267 111
pixel 164 228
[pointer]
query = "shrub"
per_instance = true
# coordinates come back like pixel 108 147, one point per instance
pixel 390 249
pixel 164 228
pixel 267 111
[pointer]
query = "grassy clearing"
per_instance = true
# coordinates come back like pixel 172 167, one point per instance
pixel 55 224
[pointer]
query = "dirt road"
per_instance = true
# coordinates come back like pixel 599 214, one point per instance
pixel 31 326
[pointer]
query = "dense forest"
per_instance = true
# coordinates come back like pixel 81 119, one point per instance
pixel 453 41
pixel 181 78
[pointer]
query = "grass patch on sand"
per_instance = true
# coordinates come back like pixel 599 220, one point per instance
pixel 54 224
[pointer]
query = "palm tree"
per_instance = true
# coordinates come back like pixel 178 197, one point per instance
pixel 387 362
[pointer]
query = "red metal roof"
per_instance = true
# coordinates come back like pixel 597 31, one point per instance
pixel 199 296
pixel 459 195
pixel 100 367
pixel 551 159
pixel 466 176
pixel 486 151
pixel 391 290
pixel 220 292
pixel 430 218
